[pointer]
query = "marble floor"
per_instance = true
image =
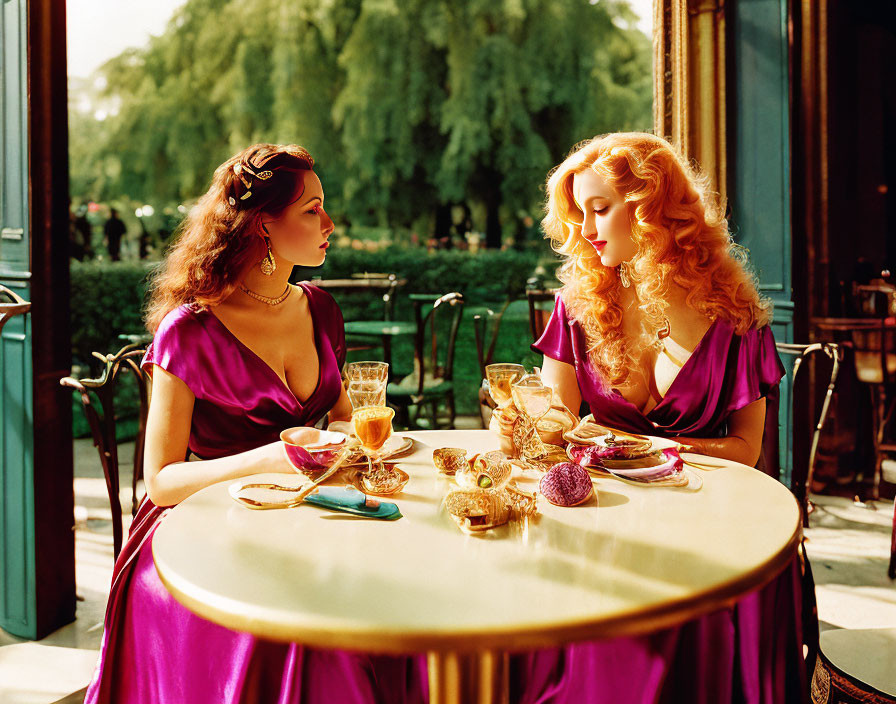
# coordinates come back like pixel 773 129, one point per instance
pixel 848 546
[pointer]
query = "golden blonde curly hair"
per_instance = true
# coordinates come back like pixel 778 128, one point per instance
pixel 681 236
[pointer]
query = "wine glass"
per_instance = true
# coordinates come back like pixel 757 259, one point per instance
pixel 500 378
pixel 373 427
pixel 531 396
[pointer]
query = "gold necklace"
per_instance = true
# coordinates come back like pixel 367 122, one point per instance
pixel 266 299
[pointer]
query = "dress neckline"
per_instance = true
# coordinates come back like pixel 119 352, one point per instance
pixel 683 371
pixel 270 370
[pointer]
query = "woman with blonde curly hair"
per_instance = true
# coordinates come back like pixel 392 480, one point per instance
pixel 658 326
pixel 238 355
pixel 659 329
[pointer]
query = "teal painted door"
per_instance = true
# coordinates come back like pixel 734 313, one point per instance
pixel 760 187
pixel 18 607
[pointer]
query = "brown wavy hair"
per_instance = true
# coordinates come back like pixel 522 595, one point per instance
pixel 681 236
pixel 219 238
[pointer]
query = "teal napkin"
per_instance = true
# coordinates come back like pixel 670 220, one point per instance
pixel 350 500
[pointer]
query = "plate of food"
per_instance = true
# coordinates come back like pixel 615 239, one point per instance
pixel 638 459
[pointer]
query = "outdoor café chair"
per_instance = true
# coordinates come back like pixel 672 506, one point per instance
pixel 486 326
pixel 538 314
pixel 103 423
pixel 801 475
pixel 437 320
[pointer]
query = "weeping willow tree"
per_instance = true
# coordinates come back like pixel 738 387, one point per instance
pixel 409 106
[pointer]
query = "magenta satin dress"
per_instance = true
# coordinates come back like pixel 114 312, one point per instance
pixel 750 653
pixel 155 650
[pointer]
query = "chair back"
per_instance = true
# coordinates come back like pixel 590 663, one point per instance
pixel 801 476
pixel 486 326
pixel 485 330
pixel 103 422
pixel 433 346
pixel 538 315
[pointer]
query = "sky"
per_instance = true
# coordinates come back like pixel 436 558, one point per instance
pixel 101 29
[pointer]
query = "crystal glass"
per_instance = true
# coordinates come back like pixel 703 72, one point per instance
pixel 500 378
pixel 366 393
pixel 373 427
pixel 531 396
pixel 366 383
pixel 367 371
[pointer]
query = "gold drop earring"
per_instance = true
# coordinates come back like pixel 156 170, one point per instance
pixel 623 275
pixel 268 265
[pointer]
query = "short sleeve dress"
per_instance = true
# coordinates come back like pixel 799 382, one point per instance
pixel 154 649
pixel 752 652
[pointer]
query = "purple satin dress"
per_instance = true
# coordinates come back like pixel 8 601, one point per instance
pixel 154 649
pixel 750 653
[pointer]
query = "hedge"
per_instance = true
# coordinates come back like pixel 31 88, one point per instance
pixel 108 299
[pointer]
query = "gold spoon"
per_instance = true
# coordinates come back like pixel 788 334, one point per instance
pixel 302 492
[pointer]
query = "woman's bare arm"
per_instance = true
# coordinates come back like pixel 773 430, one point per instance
pixel 169 479
pixel 561 377
pixel 342 410
pixel 743 443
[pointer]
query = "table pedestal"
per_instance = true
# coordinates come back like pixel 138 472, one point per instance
pixel 469 678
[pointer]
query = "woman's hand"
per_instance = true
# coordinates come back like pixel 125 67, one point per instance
pixel 743 443
pixel 169 479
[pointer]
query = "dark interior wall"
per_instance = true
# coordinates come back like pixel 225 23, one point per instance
pixel 862 144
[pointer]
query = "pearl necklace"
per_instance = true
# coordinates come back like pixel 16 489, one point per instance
pixel 266 299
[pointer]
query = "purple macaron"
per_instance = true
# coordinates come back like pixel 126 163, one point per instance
pixel 566 484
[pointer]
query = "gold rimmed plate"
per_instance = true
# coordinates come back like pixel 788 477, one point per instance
pixel 396 446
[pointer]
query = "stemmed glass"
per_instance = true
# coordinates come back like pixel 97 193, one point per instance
pixel 531 396
pixel 500 378
pixel 373 427
pixel 371 418
pixel 533 399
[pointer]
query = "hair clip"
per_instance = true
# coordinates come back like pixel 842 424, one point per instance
pixel 265 175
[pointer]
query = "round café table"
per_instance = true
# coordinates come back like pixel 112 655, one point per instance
pixel 633 560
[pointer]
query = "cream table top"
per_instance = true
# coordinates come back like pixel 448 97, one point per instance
pixel 635 560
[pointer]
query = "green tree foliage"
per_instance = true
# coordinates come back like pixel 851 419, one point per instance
pixel 407 105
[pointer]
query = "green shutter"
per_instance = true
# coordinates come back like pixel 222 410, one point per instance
pixel 18 608
pixel 760 188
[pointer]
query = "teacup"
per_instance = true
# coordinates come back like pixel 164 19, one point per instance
pixel 311 451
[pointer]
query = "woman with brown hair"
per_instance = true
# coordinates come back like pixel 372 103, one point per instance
pixel 238 355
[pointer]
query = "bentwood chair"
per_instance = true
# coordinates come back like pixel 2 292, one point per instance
pixel 485 330
pixel 103 423
pixel 801 476
pixel 437 321
pixel 874 353
pixel 539 313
